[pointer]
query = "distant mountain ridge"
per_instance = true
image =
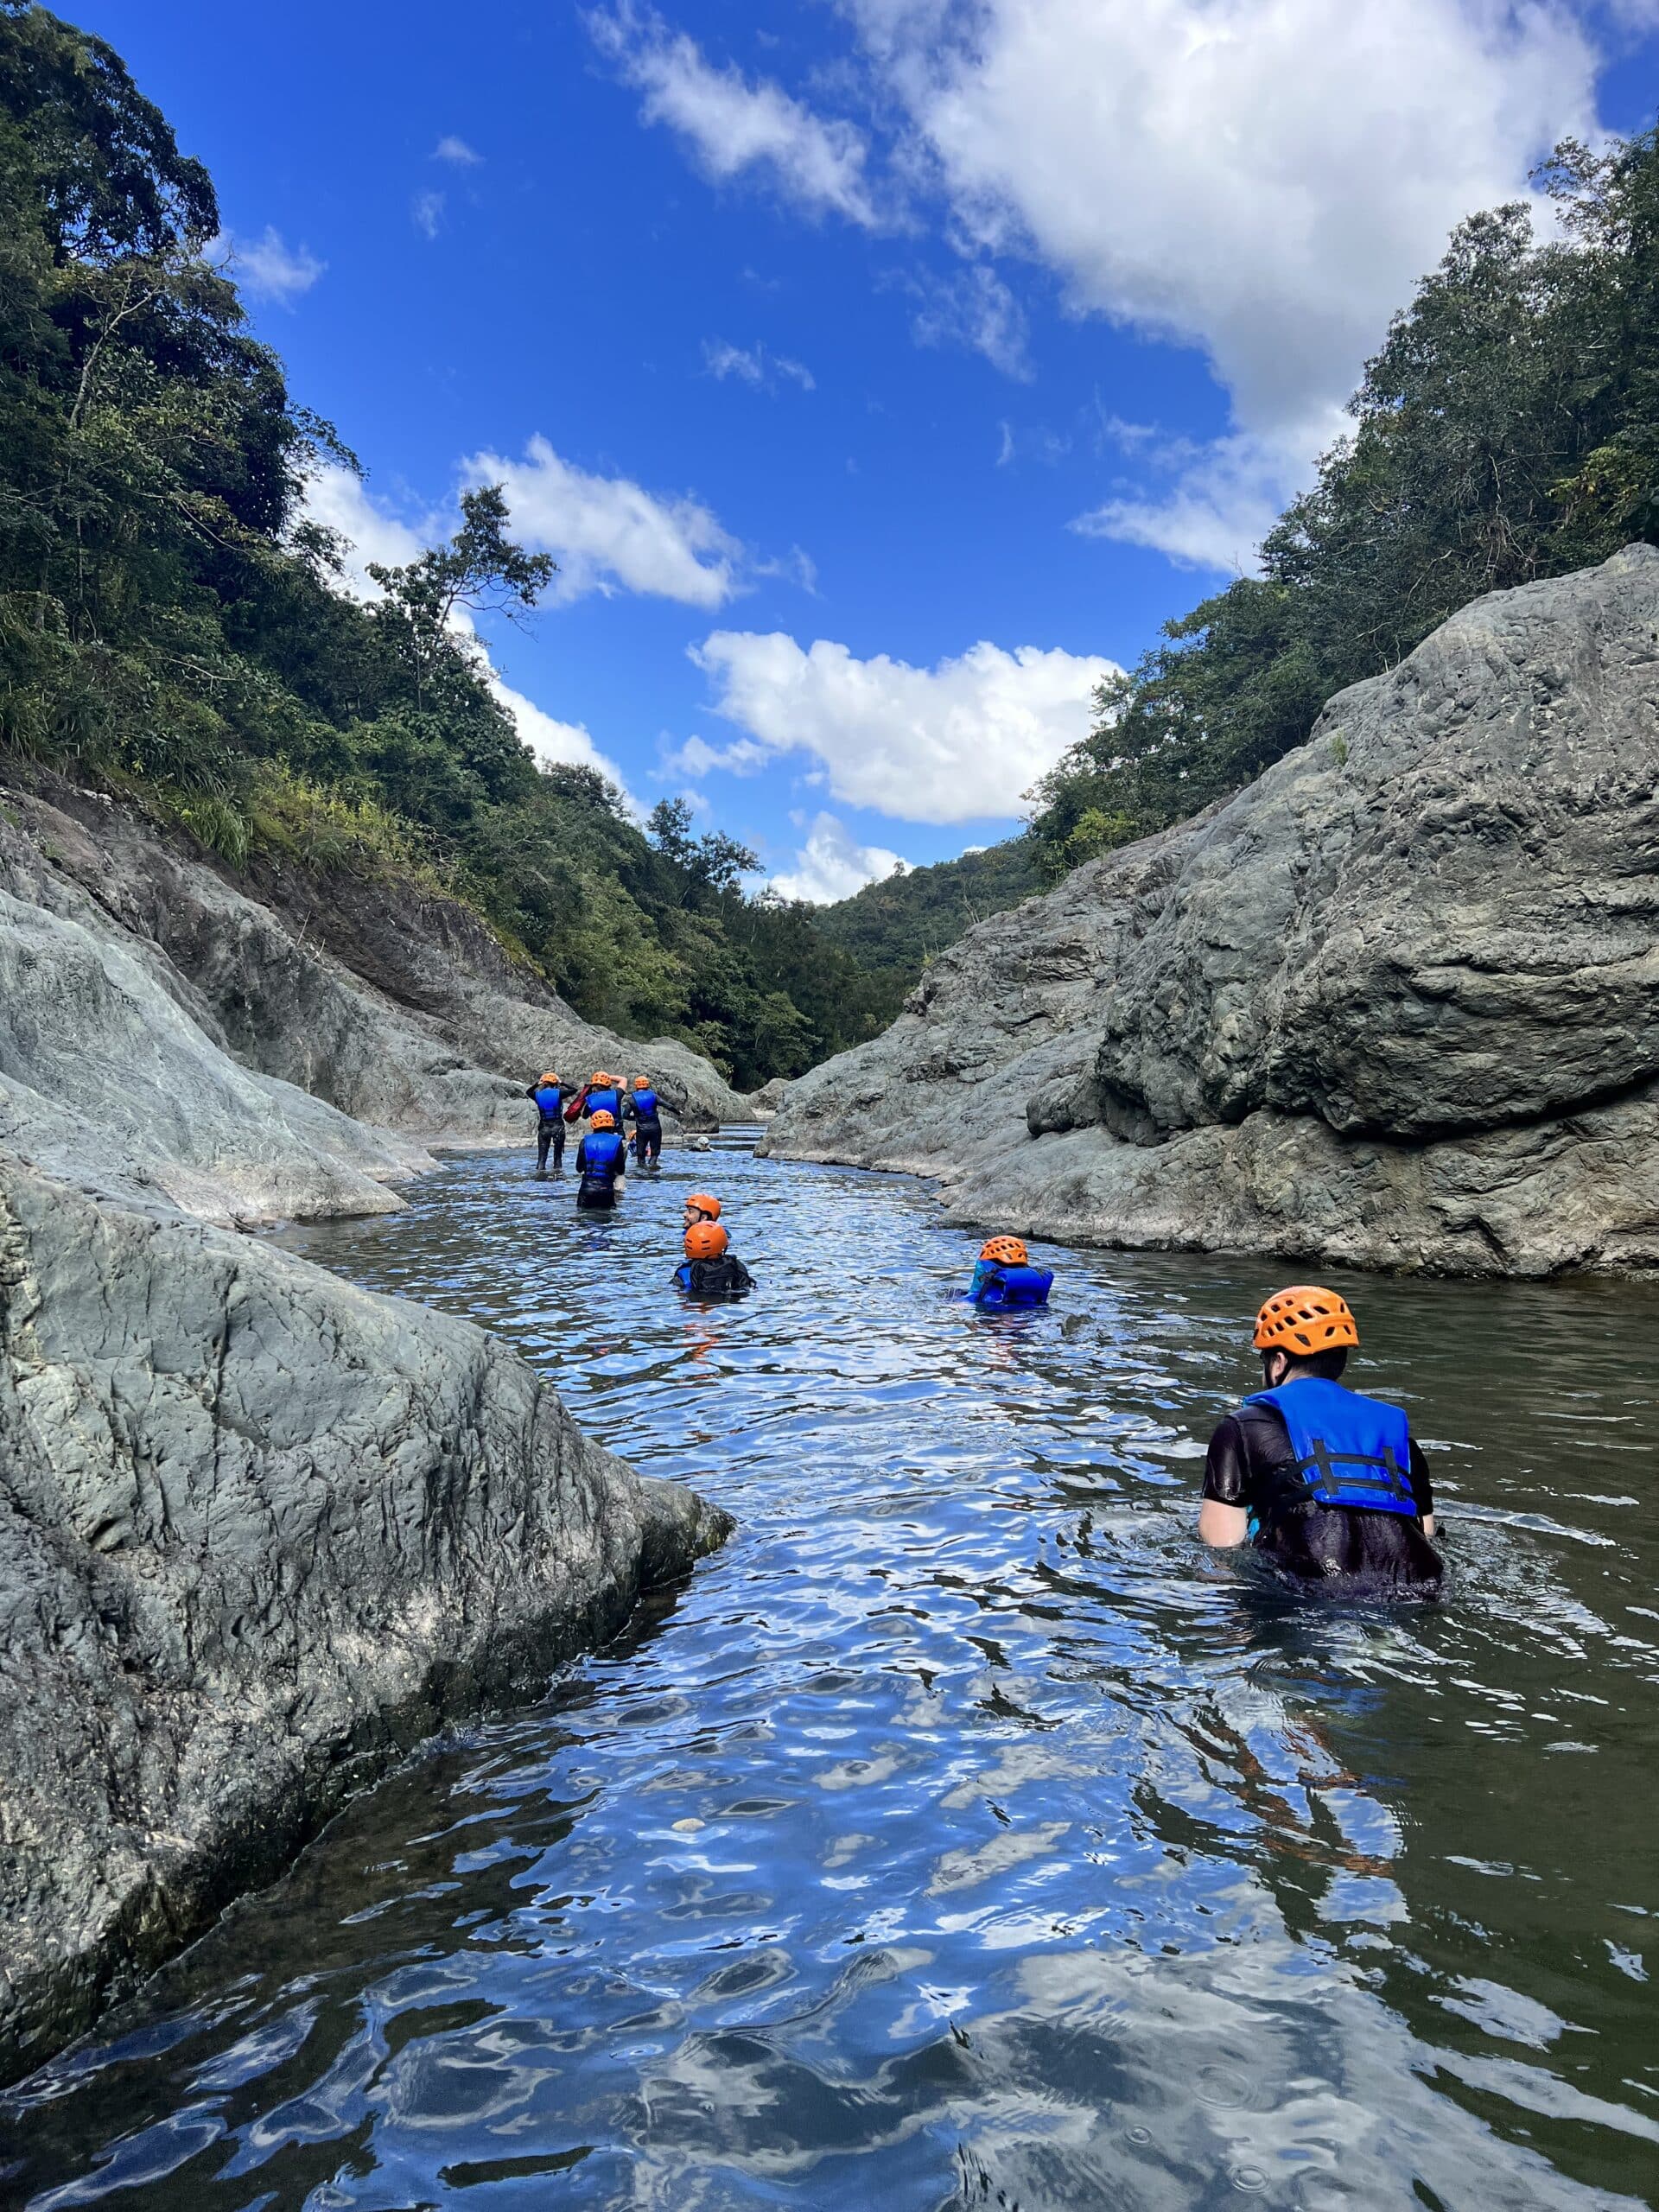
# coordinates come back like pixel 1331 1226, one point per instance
pixel 894 928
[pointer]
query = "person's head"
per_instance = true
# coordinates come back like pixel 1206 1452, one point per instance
pixel 550 1078
pixel 641 1082
pixel 1004 1251
pixel 705 1240
pixel 1304 1330
pixel 700 1206
pixel 604 1120
pixel 601 1078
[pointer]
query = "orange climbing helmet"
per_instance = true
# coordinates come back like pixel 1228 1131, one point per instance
pixel 548 1076
pixel 601 1076
pixel 640 1081
pixel 604 1119
pixel 699 1201
pixel 1304 1320
pixel 1006 1251
pixel 705 1240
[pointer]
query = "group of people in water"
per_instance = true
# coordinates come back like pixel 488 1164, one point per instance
pixel 1331 1486
pixel 710 1267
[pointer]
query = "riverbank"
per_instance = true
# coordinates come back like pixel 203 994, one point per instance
pixel 259 1533
pixel 964 1818
pixel 1394 1006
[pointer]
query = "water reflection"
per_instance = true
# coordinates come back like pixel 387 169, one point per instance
pixel 964 1834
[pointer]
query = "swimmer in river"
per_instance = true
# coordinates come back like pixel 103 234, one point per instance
pixel 701 1205
pixel 1004 1279
pixel 1328 1484
pixel 711 1269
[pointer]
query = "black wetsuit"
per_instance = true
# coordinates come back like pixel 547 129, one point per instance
pixel 726 1277
pixel 647 1127
pixel 550 1130
pixel 1250 1463
pixel 600 1166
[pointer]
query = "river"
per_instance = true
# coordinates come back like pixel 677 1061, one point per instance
pixel 964 1834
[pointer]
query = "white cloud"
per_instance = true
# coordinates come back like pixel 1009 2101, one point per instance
pixel 696 757
pixel 733 125
pixel 1224 499
pixel 831 865
pixel 954 743
pixel 754 366
pixel 457 151
pixel 972 307
pixel 607 534
pixel 266 266
pixel 336 499
pixel 426 212
pixel 1263 180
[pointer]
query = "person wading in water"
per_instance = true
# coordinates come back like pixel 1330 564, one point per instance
pixel 550 1127
pixel 601 1162
pixel 641 1102
pixel 1328 1484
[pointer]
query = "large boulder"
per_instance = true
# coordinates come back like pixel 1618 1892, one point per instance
pixel 259 1533
pixel 1397 1003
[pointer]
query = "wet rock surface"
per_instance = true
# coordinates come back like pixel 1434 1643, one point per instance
pixel 260 1532
pixel 1397 1003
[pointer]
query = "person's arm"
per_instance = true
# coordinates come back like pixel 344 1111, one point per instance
pixel 582 1157
pixel 1423 1490
pixel 1223 1520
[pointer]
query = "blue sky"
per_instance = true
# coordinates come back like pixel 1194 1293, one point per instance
pixel 879 372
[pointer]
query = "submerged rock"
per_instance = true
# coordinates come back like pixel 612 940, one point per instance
pixel 1396 1004
pixel 260 1532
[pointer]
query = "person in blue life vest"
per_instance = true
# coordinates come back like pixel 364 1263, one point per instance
pixel 1328 1484
pixel 601 1162
pixel 600 1093
pixel 1004 1280
pixel 641 1103
pixel 549 1095
pixel 710 1267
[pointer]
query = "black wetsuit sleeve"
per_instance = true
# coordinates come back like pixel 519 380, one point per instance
pixel 582 1156
pixel 1226 1466
pixel 1422 1491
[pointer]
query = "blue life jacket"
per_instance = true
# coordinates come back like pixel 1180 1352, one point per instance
pixel 645 1105
pixel 1006 1288
pixel 602 1101
pixel 1350 1451
pixel 549 1098
pixel 604 1155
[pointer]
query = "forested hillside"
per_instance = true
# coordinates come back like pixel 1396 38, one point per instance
pixel 171 626
pixel 895 927
pixel 1508 430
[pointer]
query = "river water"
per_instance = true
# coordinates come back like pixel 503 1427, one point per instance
pixel 964 1834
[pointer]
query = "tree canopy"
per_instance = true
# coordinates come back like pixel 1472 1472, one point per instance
pixel 1508 429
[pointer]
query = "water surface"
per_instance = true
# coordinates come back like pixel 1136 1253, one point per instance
pixel 964 1834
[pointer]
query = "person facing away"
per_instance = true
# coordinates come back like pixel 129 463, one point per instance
pixel 641 1102
pixel 599 1095
pixel 601 1162
pixel 710 1267
pixel 1004 1279
pixel 549 1125
pixel 1325 1482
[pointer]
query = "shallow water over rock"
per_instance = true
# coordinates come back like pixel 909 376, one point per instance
pixel 964 1835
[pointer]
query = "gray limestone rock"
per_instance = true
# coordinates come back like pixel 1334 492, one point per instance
pixel 1397 1003
pixel 260 1532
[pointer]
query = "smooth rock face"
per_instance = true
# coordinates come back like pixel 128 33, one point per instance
pixel 259 1533
pixel 163 1029
pixel 1396 1004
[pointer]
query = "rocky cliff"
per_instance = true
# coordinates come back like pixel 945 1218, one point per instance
pixel 283 1047
pixel 1396 1004
pixel 259 1533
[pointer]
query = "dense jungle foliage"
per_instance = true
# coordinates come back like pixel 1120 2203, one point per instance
pixel 171 625
pixel 1508 430
pixel 894 928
